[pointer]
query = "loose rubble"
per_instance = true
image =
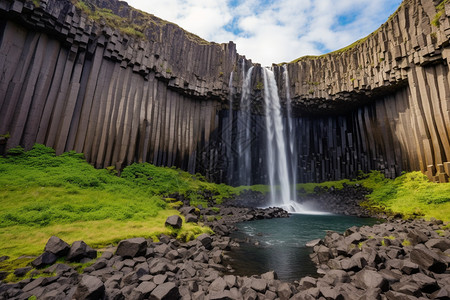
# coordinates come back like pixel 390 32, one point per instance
pixel 394 260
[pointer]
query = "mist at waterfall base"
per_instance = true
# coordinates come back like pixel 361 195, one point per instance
pixel 281 244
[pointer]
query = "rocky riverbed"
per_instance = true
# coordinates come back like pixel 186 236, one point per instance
pixel 394 260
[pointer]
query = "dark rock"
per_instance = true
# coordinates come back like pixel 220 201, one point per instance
pixel 426 284
pixel 441 244
pixel 391 295
pixel 20 272
pixel 57 246
pixel 314 243
pixel 44 260
pixel 190 218
pixel 259 285
pixel 90 287
pixel 80 250
pixel 284 291
pixel 428 260
pixel 371 279
pixel 206 240
pixel 218 285
pixel 3 258
pixel 417 237
pixel 142 291
pixel 175 221
pixel 165 291
pixel 132 247
pixel 407 288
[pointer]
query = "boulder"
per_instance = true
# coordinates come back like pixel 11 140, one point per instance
pixel 57 246
pixel 206 240
pixel 79 250
pixel 366 279
pixel 190 218
pixel 428 260
pixel 165 291
pixel 90 288
pixel 142 291
pixel 44 260
pixel 175 221
pixel 313 243
pixel 259 285
pixel 132 247
pixel 441 244
pixel 218 285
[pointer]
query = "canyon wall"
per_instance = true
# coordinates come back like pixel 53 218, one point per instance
pixel 70 81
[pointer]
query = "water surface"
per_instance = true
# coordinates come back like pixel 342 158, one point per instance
pixel 282 243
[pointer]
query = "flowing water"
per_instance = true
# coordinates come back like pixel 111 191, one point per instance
pixel 282 244
pixel 277 163
pixel 243 125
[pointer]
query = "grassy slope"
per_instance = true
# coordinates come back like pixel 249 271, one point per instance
pixel 42 195
pixel 411 194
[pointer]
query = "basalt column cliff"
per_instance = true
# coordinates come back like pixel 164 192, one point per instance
pixel 121 86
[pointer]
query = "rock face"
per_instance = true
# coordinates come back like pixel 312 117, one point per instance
pixel 383 103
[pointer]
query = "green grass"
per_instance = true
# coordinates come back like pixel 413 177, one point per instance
pixel 440 8
pixel 411 195
pixel 42 194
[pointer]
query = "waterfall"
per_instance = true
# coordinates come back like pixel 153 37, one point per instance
pixel 229 132
pixel 291 136
pixel 277 164
pixel 243 127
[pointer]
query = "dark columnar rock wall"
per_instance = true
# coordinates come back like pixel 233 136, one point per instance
pixel 75 84
pixel 402 72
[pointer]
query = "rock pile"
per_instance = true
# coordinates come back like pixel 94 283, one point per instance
pixel 394 260
pixel 140 269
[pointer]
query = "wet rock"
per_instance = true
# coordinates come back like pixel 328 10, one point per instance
pixel 175 221
pixel 57 246
pixel 132 247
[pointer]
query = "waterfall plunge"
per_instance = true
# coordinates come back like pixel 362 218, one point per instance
pixel 276 144
pixel 282 175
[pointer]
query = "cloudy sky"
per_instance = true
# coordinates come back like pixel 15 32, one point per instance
pixel 274 31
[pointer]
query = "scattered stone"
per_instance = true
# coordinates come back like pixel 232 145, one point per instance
pixel 206 240
pixel 43 260
pixel 165 291
pixel 90 288
pixel 132 247
pixel 175 221
pixel 57 246
pixel 79 250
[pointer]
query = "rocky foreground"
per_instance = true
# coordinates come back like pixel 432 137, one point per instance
pixel 394 260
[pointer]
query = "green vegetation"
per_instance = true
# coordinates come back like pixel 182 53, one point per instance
pixel 42 194
pixel 134 26
pixel 411 195
pixel 440 8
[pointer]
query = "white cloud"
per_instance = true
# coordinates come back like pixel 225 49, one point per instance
pixel 275 31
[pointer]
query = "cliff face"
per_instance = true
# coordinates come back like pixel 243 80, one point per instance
pixel 75 84
pixel 68 80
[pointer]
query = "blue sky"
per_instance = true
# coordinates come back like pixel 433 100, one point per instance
pixel 274 31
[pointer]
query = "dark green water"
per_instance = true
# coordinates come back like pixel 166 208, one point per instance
pixel 282 244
